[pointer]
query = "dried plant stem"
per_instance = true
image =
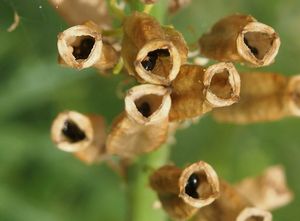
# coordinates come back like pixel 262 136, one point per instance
pixel 141 198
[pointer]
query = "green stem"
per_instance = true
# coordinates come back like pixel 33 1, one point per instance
pixel 115 9
pixel 141 197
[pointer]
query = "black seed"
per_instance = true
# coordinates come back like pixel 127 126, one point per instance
pixel 145 109
pixel 72 132
pixel 192 185
pixel 252 49
pixel 150 61
pixel 84 49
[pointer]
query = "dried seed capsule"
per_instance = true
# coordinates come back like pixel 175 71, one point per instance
pixel 76 12
pixel 81 47
pixel 254 214
pixel 83 135
pixel 144 125
pixel 241 38
pixel 268 190
pixel 231 206
pixel 183 192
pixel 151 53
pixel 197 90
pixel 264 97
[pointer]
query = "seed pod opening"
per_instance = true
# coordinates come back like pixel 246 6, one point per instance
pixel 199 185
pixel 223 84
pixel 72 131
pixel 80 46
pixel 158 62
pixel 148 104
pixel 258 43
pixel 254 214
pixel 83 135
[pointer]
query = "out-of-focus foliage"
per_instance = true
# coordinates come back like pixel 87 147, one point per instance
pixel 38 182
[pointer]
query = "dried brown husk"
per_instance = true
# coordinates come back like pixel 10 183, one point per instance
pixel 197 90
pixel 144 125
pixel 170 184
pixel 254 214
pixel 82 46
pixel 231 206
pixel 144 35
pixel 267 191
pixel 76 12
pixel 240 38
pixel 264 97
pixel 91 148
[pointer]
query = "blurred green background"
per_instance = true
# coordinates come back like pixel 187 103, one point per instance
pixel 39 182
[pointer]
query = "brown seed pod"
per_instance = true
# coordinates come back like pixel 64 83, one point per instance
pixel 197 90
pixel 264 97
pixel 81 47
pixel 231 206
pixel 268 190
pixel 83 135
pixel 183 192
pixel 76 12
pixel 151 53
pixel 241 38
pixel 144 125
pixel 254 214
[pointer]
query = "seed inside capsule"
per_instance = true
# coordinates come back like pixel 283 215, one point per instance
pixel 83 48
pixel 72 132
pixel 192 186
pixel 145 109
pixel 149 61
